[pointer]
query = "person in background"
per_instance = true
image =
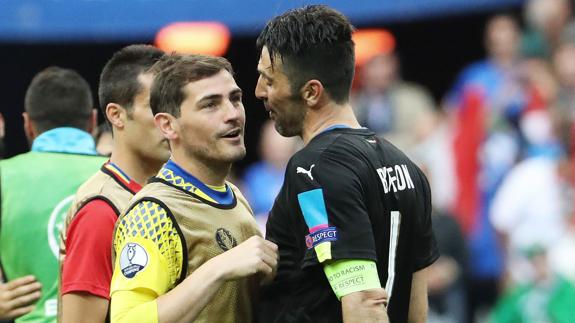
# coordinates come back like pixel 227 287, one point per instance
pixel 18 296
pixel 545 297
pixel 484 108
pixel 138 151
pixel 38 187
pixel 394 109
pixel 548 25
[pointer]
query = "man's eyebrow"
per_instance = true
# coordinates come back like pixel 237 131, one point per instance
pixel 264 73
pixel 211 97
pixel 236 91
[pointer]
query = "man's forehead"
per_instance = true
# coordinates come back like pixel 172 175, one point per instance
pixel 265 62
pixel 221 83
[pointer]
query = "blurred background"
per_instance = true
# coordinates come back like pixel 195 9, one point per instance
pixel 481 94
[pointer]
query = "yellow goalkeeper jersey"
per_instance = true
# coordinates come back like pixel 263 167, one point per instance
pixel 175 224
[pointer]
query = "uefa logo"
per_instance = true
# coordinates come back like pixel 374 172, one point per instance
pixel 133 259
pixel 309 241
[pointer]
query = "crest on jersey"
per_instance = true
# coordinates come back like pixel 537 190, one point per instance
pixel 133 259
pixel 225 239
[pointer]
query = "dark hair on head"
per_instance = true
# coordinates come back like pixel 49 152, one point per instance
pixel 119 79
pixel 164 62
pixel 167 92
pixel 313 42
pixel 59 97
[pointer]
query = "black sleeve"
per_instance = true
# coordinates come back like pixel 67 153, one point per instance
pixel 425 249
pixel 331 201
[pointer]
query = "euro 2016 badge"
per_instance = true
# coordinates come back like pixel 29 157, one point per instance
pixel 133 259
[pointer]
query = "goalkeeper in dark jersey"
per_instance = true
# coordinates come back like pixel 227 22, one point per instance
pixel 353 219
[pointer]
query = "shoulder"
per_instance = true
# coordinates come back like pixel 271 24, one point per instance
pixel 145 219
pixel 94 214
pixel 155 187
pixel 149 223
pixel 335 143
pixel 97 214
pixel 11 164
pixel 97 208
pixel 94 185
pixel 145 206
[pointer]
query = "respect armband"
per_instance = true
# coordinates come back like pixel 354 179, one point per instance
pixel 351 275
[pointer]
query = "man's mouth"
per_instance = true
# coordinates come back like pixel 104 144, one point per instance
pixel 232 134
pixel 269 110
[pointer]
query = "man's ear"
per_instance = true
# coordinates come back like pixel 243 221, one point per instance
pixel 117 115
pixel 168 125
pixel 312 92
pixel 29 127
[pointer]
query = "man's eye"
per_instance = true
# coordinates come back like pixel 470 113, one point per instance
pixel 209 105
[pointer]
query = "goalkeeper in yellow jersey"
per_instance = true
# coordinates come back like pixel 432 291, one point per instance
pixel 188 247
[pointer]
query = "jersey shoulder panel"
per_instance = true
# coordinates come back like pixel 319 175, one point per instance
pixel 151 221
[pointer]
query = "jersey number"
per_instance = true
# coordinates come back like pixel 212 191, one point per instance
pixel 393 238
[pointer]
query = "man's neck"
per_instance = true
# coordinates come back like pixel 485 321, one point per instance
pixel 137 168
pixel 321 118
pixel 207 172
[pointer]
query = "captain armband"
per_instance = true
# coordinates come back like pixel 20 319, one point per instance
pixel 351 275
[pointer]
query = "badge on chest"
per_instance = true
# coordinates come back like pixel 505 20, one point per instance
pixel 225 239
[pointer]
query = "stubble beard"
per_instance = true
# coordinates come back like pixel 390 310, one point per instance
pixel 294 125
pixel 209 157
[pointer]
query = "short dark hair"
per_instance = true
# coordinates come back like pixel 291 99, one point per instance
pixel 164 62
pixel 167 92
pixel 119 78
pixel 59 97
pixel 313 42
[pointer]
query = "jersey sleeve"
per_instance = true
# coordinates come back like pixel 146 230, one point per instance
pixel 87 266
pixel 331 199
pixel 424 248
pixel 149 253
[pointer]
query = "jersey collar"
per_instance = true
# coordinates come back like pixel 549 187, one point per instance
pixel 65 140
pixel 122 178
pixel 333 127
pixel 177 176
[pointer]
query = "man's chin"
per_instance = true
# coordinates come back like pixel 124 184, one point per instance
pixel 240 155
pixel 285 131
pixel 235 156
